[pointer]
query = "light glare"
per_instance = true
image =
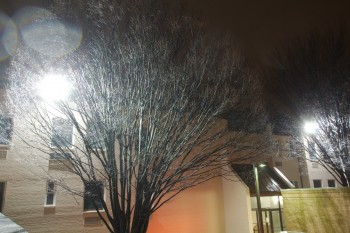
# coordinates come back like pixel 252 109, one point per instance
pixel 54 87
pixel 310 127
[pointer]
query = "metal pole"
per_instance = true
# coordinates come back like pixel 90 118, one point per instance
pixel 257 191
pixel 271 222
pixel 280 212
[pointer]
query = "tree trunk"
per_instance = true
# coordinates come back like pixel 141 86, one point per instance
pixel 141 225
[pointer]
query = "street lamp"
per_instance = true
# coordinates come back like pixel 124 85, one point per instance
pixel 54 87
pixel 310 127
pixel 257 191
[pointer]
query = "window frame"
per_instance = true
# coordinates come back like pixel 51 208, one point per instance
pixel 331 180
pixel 50 192
pixel 6 130
pixel 316 180
pixel 312 151
pixel 59 134
pixel 87 199
pixel 98 144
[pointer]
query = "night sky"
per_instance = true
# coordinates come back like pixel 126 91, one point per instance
pixel 262 26
pixel 259 26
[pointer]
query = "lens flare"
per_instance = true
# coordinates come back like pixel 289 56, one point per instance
pixel 8 36
pixel 43 32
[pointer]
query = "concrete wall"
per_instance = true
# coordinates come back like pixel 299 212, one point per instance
pixel 317 210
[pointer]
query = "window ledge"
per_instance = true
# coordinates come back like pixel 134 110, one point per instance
pixel 49 209
pixel 92 219
pixel 92 213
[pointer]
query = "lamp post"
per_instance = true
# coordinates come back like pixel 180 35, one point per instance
pixel 257 191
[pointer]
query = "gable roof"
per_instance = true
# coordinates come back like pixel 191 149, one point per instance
pixel 271 180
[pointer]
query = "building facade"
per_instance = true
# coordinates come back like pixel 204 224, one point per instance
pixel 30 196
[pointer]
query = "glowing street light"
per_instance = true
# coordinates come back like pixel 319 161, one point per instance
pixel 310 127
pixel 54 87
pixel 257 192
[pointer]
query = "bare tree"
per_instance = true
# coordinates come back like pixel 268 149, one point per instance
pixel 148 89
pixel 314 81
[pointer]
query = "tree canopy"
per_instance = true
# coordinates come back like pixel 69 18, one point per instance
pixel 148 89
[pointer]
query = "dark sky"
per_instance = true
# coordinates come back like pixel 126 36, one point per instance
pixel 260 26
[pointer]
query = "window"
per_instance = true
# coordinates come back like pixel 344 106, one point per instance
pixel 331 183
pixel 312 150
pixel 62 132
pixel 276 147
pixel 94 135
pixel 317 183
pixel 60 161
pixel 6 125
pixel 50 193
pixel 278 164
pixel 294 148
pixel 291 149
pixel 295 183
pixel 3 154
pixel 93 195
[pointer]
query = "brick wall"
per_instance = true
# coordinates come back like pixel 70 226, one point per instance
pixel 317 210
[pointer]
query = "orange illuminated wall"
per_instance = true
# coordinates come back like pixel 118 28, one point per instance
pixel 197 210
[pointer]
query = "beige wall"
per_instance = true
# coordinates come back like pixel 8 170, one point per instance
pixel 25 174
pixel 237 205
pixel 293 168
pixel 197 210
pixel 317 210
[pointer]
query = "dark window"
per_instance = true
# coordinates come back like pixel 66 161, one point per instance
pixel 93 195
pixel 278 164
pixel 294 148
pixel 291 149
pixel 62 132
pixel 312 150
pixel 6 124
pixel 276 147
pixel 295 183
pixel 317 183
pixel 50 193
pixel 331 183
